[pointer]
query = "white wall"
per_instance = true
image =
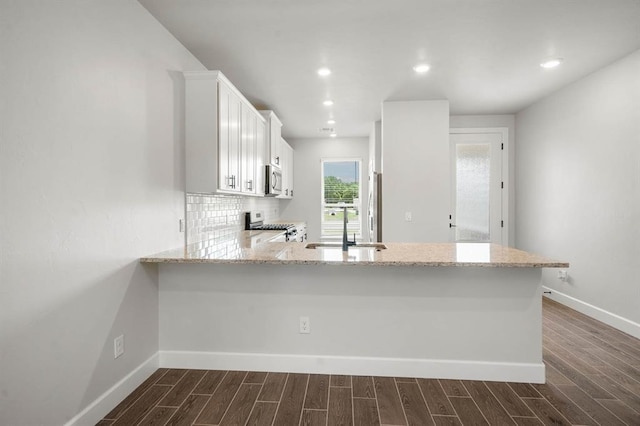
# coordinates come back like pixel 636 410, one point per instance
pixel 508 121
pixel 415 171
pixel 92 174
pixel 308 154
pixel 578 186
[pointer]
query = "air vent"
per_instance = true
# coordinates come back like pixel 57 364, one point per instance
pixel 326 130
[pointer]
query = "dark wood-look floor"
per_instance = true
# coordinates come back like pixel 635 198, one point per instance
pixel 593 378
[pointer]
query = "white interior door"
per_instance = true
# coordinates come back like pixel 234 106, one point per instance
pixel 478 185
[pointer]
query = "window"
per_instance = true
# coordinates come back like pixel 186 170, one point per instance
pixel 341 189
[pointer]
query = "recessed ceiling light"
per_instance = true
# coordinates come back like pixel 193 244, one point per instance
pixel 328 102
pixel 331 122
pixel 551 63
pixel 323 72
pixel 421 68
pixel 333 135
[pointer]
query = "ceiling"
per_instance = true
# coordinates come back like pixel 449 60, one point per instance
pixel 484 54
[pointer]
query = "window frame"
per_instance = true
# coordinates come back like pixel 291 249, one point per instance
pixel 359 206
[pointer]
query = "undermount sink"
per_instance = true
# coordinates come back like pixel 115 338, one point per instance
pixel 376 246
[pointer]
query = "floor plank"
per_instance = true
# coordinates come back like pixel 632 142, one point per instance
pixel 590 406
pixel 314 418
pixel 468 411
pixel 509 400
pixel 453 388
pixel 446 421
pixel 564 405
pixel 189 410
pixel 487 403
pixel 317 392
pixel 219 402
pixel 527 421
pixel 210 382
pixel 158 416
pixel 435 397
pixel 172 376
pixel 547 414
pixel 365 412
pixel 389 404
pixel 290 408
pixel 415 408
pixel 343 381
pixel 363 387
pixel 241 406
pixel 632 399
pixel 182 389
pixel 262 414
pixel 340 407
pixel 273 387
pixel 622 411
pixel 142 406
pixel 256 377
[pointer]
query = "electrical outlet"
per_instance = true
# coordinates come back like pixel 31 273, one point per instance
pixel 563 275
pixel 118 346
pixel 408 217
pixel 305 325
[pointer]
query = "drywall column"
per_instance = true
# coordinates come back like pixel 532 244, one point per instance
pixel 415 170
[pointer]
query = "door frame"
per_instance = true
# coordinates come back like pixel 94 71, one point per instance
pixel 504 170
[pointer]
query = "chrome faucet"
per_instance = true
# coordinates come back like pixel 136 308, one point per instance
pixel 345 239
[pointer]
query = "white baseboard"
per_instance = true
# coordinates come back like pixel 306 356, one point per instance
pixel 615 321
pixel 106 402
pixel 357 366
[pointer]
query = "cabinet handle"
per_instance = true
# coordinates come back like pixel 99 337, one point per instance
pixel 233 181
pixel 292 192
pixel 286 192
pixel 250 185
pixel 278 160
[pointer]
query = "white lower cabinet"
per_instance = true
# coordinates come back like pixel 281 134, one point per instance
pixel 223 137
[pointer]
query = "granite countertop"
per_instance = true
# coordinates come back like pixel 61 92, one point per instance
pixel 245 249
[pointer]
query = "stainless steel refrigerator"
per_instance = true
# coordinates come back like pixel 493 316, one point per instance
pixel 374 210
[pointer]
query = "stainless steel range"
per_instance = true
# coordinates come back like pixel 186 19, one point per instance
pixel 255 221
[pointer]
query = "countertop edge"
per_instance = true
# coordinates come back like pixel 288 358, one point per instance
pixel 347 263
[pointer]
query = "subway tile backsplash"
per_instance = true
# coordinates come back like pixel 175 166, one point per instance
pixel 213 220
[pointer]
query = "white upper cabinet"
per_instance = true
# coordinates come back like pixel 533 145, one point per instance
pixel 222 132
pixel 229 127
pixel 261 158
pixel 274 136
pixel 248 150
pixel 287 170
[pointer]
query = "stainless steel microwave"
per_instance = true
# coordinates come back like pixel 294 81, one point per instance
pixel 273 181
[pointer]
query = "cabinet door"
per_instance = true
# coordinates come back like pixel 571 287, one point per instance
pixel 260 155
pixel 229 139
pixel 287 169
pixel 290 178
pixel 248 150
pixel 275 141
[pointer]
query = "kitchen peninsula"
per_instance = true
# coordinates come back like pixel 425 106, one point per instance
pixel 457 311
